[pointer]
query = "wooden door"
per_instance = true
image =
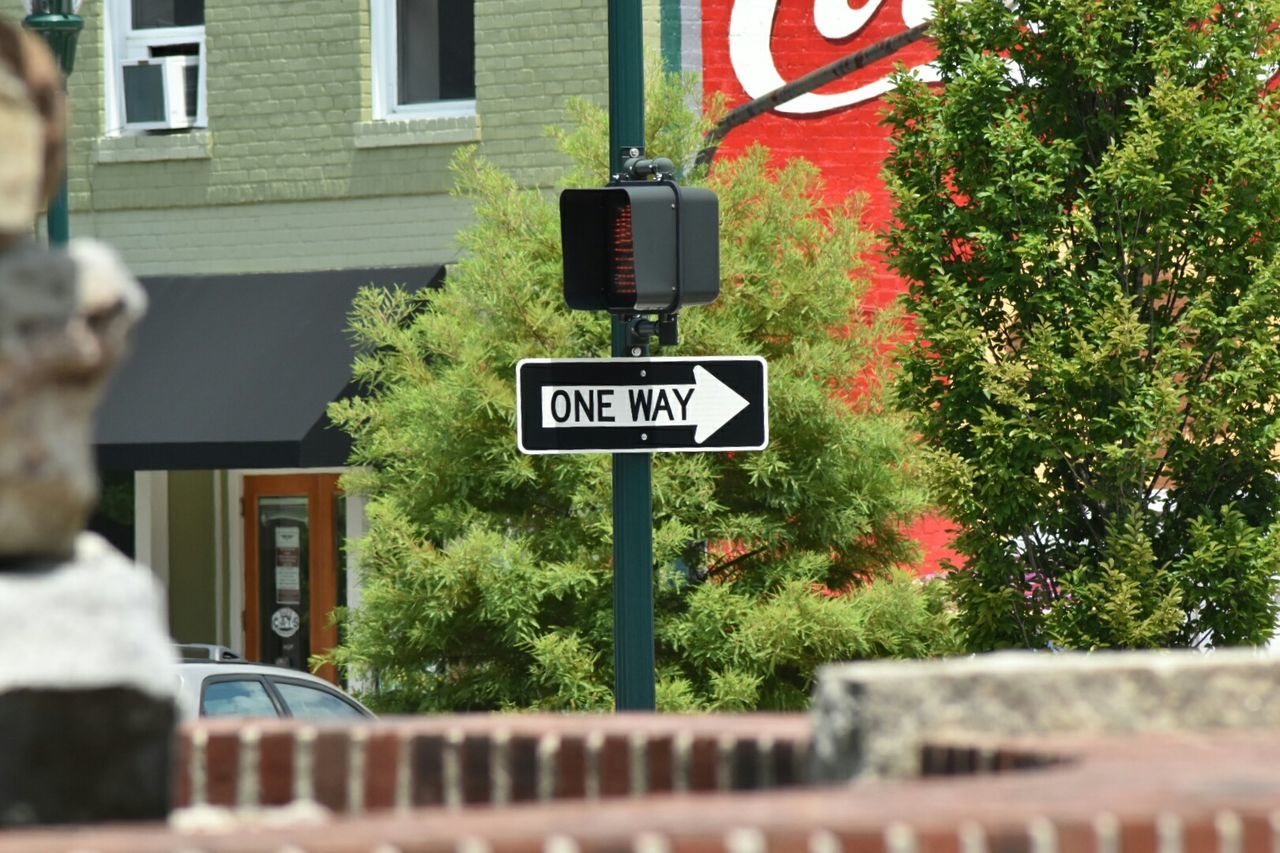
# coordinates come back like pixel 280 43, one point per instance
pixel 292 539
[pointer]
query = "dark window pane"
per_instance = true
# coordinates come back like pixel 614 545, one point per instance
pixel 143 93
pixel 457 49
pixel 313 703
pixel 191 49
pixel 435 50
pixel 191 79
pixel 148 14
pixel 237 699
pixel 417 46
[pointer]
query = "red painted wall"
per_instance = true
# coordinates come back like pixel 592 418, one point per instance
pixel 848 144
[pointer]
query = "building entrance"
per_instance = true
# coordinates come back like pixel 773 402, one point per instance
pixel 293 527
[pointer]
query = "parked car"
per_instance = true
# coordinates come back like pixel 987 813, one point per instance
pixel 214 681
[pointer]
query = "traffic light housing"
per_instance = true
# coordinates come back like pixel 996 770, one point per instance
pixel 640 247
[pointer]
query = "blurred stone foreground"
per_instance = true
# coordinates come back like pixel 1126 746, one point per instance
pixel 86 678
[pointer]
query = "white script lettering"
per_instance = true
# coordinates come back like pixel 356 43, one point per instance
pixel 751 49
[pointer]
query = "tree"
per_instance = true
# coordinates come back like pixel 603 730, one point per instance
pixel 487 579
pixel 1088 216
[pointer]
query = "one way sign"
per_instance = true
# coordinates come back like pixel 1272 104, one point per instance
pixel 642 405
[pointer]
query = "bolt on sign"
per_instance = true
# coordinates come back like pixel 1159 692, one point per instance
pixel 642 405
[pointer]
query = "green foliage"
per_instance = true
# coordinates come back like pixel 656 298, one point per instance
pixel 1088 215
pixel 487 578
pixel 115 501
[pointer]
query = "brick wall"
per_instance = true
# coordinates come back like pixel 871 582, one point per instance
pixel 1157 793
pixel 288 93
pixel 284 236
pixel 471 760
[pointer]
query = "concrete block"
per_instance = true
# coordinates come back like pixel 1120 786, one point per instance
pixel 871 719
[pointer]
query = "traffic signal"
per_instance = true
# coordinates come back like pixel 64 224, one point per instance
pixel 640 247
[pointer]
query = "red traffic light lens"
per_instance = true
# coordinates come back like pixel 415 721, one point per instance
pixel 622 254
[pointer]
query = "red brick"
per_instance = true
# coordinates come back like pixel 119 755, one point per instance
pixel 788 760
pixel 1138 835
pixel 184 766
pixel 524 845
pixel 330 769
pixel 1199 832
pixel 1009 839
pixel 222 762
pixel 698 842
pixel 475 754
pixel 381 768
pixel 522 761
pixel 860 840
pixel 571 767
pixel 703 761
pixel 614 764
pixel 939 841
pixel 427 762
pixel 660 762
pixel 1076 836
pixel 794 839
pixel 1258 835
pixel 275 767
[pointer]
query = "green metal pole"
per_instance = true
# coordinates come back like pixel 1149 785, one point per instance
pixel 671 36
pixel 59 25
pixel 58 219
pixel 634 672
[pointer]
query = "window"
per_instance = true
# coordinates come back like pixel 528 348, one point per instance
pixel 423 58
pixel 237 699
pixel 313 703
pixel 155 65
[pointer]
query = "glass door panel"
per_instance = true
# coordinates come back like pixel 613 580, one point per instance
pixel 291 560
pixel 284 552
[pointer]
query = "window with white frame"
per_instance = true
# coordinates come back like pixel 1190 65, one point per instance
pixel 155 65
pixel 423 58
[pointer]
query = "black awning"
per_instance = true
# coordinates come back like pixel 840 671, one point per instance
pixel 237 371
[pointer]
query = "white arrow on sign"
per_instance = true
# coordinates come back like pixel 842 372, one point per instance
pixel 706 405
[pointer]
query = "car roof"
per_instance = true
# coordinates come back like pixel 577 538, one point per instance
pixel 203 668
pixel 193 672
pixel 207 659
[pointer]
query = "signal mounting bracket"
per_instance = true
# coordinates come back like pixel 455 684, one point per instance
pixel 639 169
pixel 640 329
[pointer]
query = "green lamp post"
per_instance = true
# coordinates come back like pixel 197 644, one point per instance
pixel 59 24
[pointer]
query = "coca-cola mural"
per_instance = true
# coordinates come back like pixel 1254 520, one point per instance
pixel 751 24
pixel 750 47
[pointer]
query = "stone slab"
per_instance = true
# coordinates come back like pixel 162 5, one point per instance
pixel 871 719
pixel 93 621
